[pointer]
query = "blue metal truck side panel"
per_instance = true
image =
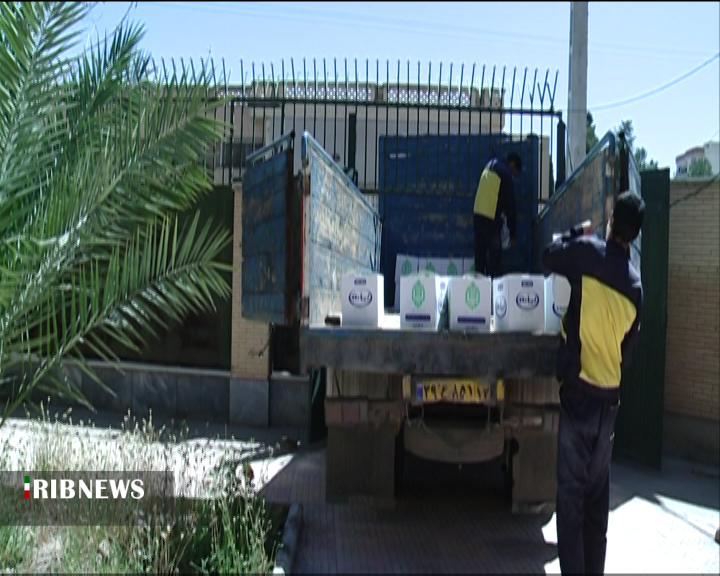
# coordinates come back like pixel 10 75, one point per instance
pixel 428 188
pixel 264 232
pixel 586 195
pixel 345 231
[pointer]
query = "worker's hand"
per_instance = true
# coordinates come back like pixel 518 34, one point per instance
pixel 582 229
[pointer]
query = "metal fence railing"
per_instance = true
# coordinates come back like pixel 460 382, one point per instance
pixel 347 106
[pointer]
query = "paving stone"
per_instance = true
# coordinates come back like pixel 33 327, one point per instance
pixel 660 522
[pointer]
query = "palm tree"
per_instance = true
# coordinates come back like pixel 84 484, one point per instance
pixel 101 159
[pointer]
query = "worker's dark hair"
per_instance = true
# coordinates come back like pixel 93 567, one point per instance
pixel 628 217
pixel 514 158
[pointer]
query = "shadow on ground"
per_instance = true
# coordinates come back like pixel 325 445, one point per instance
pixel 445 520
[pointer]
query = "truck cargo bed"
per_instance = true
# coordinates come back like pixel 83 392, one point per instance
pixel 511 355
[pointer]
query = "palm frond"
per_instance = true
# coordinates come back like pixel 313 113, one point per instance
pixel 98 166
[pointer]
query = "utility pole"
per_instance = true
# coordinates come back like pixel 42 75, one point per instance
pixel 577 86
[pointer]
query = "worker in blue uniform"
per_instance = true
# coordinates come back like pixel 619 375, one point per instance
pixel 598 333
pixel 495 197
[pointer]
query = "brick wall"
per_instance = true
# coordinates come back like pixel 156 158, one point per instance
pixel 248 338
pixel 692 373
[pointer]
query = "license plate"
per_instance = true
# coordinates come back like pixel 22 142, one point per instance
pixel 453 391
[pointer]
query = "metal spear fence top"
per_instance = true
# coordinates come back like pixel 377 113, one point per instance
pixel 348 106
pixel 397 83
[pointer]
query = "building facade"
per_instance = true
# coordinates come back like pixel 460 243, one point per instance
pixel 709 151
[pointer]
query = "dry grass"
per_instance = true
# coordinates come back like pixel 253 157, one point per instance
pixel 227 528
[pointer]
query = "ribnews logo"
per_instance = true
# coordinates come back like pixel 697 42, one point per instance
pixel 97 489
pixel 94 498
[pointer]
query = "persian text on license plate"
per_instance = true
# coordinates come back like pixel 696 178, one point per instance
pixel 456 391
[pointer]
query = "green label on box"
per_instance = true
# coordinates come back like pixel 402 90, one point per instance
pixel 418 294
pixel 406 268
pixel 429 267
pixel 452 269
pixel 472 296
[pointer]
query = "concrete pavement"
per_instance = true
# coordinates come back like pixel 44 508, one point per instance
pixel 660 522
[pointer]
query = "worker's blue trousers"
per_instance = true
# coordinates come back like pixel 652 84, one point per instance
pixel 585 439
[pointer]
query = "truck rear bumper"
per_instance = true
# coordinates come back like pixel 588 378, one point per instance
pixel 510 355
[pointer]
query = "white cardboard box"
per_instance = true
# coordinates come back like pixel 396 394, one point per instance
pixel 441 266
pixel 363 300
pixel 469 265
pixel 430 265
pixel 557 298
pixel 454 267
pixel 391 322
pixel 423 301
pixel 519 303
pixel 470 303
pixel 405 265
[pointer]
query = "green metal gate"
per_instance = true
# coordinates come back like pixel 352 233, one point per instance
pixel 639 429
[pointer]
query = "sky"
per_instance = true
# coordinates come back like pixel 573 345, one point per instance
pixel 635 48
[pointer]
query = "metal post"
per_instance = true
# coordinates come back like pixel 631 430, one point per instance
pixel 577 85
pixel 623 155
pixel 560 153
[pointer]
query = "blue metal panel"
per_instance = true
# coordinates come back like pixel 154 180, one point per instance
pixel 264 233
pixel 586 195
pixel 345 230
pixel 428 184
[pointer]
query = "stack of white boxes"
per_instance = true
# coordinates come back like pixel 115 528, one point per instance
pixel 363 300
pixel 441 266
pixel 433 293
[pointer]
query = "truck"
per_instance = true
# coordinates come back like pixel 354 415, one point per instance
pixel 301 231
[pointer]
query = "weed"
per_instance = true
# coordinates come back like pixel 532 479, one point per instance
pixel 218 525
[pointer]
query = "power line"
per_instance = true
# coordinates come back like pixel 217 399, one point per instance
pixel 430 29
pixel 452 31
pixel 657 90
pixel 697 192
pixel 506 35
